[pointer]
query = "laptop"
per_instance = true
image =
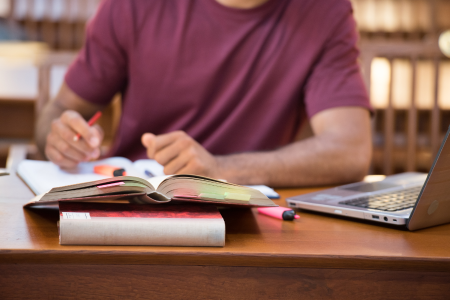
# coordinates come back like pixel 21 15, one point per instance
pixel 414 200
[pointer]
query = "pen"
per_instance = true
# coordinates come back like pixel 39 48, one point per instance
pixel 91 122
pixel 4 173
pixel 149 174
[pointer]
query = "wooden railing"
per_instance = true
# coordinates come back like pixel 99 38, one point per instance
pixel 391 154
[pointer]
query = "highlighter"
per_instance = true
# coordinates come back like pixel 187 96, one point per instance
pixel 281 213
pixel 109 171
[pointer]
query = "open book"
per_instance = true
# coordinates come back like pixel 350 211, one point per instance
pixel 42 176
pixel 191 188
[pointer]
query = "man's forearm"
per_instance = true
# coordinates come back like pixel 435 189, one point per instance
pixel 50 112
pixel 314 161
pixel 339 152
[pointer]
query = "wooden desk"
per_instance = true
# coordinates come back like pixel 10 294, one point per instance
pixel 314 257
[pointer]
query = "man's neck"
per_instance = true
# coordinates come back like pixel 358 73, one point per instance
pixel 243 4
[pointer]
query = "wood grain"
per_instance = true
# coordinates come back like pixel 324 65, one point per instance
pixel 17 118
pixel 212 282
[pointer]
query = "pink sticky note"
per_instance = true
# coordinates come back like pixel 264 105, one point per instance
pixel 110 184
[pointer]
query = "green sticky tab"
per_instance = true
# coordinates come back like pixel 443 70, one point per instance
pixel 234 196
pixel 127 183
pixel 211 196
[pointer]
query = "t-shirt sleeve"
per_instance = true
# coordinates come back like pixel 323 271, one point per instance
pixel 336 80
pixel 100 69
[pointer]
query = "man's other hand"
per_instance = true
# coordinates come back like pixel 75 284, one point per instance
pixel 180 154
pixel 65 151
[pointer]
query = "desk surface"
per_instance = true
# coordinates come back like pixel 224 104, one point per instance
pixel 314 240
pixel 314 257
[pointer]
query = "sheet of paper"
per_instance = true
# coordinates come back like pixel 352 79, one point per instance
pixel 156 181
pixel 42 176
pixel 149 167
pixel 76 216
pixel 269 192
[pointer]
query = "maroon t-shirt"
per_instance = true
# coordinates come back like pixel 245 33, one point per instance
pixel 234 79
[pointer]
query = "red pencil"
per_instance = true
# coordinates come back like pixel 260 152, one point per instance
pixel 91 122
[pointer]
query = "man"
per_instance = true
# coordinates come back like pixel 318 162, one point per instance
pixel 219 88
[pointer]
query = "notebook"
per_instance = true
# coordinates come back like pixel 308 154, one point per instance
pixel 414 200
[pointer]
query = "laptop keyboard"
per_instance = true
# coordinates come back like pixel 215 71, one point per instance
pixel 392 201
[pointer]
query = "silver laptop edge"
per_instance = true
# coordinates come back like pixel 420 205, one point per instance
pixel 431 208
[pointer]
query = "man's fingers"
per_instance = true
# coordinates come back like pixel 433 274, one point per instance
pixel 58 158
pixel 79 125
pixel 98 131
pixel 179 154
pixel 164 140
pixel 148 140
pixel 189 168
pixel 61 147
pixel 171 151
pixel 66 149
pixel 155 144
pixel 175 165
pixel 60 130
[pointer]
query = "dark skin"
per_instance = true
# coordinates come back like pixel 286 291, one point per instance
pixel 341 142
pixel 242 4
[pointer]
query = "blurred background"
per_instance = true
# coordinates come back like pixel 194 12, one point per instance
pixel 407 74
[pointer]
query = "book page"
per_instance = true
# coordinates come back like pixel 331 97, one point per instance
pixel 155 175
pixel 42 176
pixel 150 168
pixel 156 181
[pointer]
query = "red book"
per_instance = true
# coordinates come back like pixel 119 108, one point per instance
pixel 84 223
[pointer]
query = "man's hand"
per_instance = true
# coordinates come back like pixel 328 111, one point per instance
pixel 63 150
pixel 339 152
pixel 180 154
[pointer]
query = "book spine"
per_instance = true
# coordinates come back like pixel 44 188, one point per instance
pixel 137 231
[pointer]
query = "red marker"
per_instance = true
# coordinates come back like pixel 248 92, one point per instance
pixel 281 213
pixel 91 122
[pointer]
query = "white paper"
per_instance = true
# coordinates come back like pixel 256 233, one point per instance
pixel 269 192
pixel 76 216
pixel 42 176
